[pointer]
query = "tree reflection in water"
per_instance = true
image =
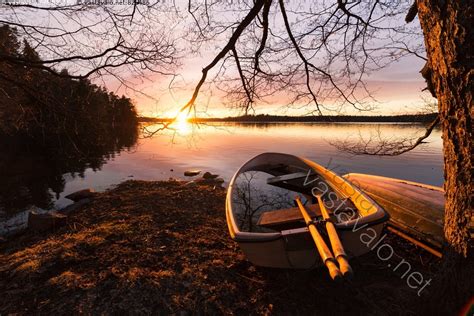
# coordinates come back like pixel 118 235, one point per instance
pixel 33 173
pixel 254 196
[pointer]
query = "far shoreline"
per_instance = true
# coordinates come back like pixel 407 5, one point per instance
pixel 264 118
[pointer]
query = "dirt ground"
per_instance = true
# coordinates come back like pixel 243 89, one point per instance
pixel 163 247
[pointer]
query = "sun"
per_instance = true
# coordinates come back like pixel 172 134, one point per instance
pixel 182 124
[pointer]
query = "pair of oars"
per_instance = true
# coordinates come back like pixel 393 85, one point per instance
pixel 344 269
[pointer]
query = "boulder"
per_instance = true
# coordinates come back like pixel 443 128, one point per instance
pixel 219 180
pixel 208 175
pixel 74 206
pixel 216 182
pixel 46 221
pixel 81 194
pixel 192 173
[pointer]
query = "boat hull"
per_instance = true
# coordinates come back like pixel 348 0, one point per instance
pixel 297 250
pixel 294 248
pixel 414 208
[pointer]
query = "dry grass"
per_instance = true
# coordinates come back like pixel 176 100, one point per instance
pixel 161 247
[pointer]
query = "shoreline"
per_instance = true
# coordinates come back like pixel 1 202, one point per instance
pixel 265 119
pixel 163 246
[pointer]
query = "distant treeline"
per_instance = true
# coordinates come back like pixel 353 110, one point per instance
pixel 264 118
pixel 51 125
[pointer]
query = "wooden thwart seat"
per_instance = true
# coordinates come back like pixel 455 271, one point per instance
pixel 287 218
pixel 290 218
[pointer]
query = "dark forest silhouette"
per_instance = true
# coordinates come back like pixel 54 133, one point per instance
pixel 53 125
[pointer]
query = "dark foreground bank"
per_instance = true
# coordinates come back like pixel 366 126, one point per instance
pixel 150 247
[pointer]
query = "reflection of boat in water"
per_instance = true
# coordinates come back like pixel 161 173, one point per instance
pixel 263 219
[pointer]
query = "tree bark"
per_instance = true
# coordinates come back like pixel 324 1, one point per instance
pixel 449 41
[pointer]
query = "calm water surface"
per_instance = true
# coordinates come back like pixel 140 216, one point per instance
pixel 223 148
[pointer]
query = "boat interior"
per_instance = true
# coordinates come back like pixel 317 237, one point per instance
pixel 264 198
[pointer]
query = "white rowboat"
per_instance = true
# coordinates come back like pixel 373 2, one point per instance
pixel 269 228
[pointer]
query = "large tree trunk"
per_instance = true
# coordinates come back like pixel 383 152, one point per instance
pixel 449 39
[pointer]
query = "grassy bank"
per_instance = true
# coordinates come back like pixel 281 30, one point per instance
pixel 150 247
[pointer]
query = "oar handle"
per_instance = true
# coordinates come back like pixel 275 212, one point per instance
pixel 336 243
pixel 334 271
pixel 345 267
pixel 338 250
pixel 323 249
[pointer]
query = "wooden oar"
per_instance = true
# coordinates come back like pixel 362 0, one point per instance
pixel 336 244
pixel 324 252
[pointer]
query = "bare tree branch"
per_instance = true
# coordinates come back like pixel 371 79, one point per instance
pixel 383 147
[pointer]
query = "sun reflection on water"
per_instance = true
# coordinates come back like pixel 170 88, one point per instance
pixel 182 124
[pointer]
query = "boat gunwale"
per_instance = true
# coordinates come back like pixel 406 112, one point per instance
pixel 258 237
pixel 301 230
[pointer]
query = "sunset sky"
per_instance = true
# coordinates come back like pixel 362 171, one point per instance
pixel 397 89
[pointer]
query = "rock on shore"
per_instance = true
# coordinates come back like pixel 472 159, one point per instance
pixel 81 195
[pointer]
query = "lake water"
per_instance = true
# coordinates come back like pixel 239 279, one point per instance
pixel 222 148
